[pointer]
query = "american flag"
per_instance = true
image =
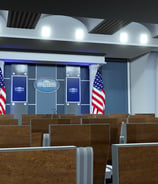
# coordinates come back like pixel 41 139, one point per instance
pixel 98 95
pixel 2 94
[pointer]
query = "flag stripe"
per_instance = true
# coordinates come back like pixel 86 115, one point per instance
pixel 99 94
pixel 98 108
pixel 99 99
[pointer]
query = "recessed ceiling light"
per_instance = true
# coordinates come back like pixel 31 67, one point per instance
pixel 143 38
pixel 45 31
pixel 123 37
pixel 79 34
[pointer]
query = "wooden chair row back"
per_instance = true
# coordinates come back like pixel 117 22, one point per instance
pixel 97 136
pixel 26 118
pixel 7 116
pixel 38 166
pixel 142 132
pixel 135 163
pixel 142 120
pixel 15 136
pixel 8 121
pixel 41 126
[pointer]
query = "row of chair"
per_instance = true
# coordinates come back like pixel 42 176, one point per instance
pixel 135 161
pixel 60 127
pixel 62 164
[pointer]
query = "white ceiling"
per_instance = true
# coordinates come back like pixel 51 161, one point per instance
pixel 64 19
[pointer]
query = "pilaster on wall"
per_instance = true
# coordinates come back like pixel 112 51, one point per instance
pixel 2 66
pixel 46 102
pixel 156 86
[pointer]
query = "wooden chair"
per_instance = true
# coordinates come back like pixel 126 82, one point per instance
pixel 15 136
pixel 41 126
pixel 135 163
pixel 94 135
pixel 6 121
pixel 38 166
pixel 115 127
pixel 26 118
pixel 142 132
pixel 7 116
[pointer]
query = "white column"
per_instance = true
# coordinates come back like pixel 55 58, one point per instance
pixel 2 66
pixel 143 84
pixel 92 72
pixel 129 87
pixel 156 87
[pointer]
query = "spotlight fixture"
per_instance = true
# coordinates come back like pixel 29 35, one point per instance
pixel 79 34
pixel 143 38
pixel 123 37
pixel 45 31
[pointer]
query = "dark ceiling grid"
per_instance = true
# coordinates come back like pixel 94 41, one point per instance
pixel 21 19
pixel 109 26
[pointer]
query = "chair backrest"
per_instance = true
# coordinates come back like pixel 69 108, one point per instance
pixel 26 118
pixel 142 132
pixel 118 115
pixel 135 163
pixel 115 127
pixel 143 115
pixel 41 126
pixel 38 165
pixel 6 121
pixel 7 116
pixel 95 135
pixel 15 136
pixel 140 119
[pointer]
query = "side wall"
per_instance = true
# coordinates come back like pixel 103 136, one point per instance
pixel 116 87
pixel 143 80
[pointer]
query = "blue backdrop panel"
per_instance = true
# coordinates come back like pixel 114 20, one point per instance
pixel 73 89
pixel 19 88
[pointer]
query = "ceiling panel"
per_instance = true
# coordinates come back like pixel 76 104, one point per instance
pixel 109 26
pixel 22 19
pixel 138 11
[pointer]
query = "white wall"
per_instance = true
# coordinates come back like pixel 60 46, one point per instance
pixel 143 84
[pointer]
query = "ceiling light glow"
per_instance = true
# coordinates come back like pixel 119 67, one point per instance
pixel 79 34
pixel 123 37
pixel 46 31
pixel 143 38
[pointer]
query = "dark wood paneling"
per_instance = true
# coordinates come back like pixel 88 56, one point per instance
pixel 115 126
pixel 15 136
pixel 6 121
pixel 37 138
pixel 42 125
pixel 7 116
pixel 26 118
pixel 38 167
pixel 138 165
pixel 142 132
pixel 93 135
pixel 142 119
